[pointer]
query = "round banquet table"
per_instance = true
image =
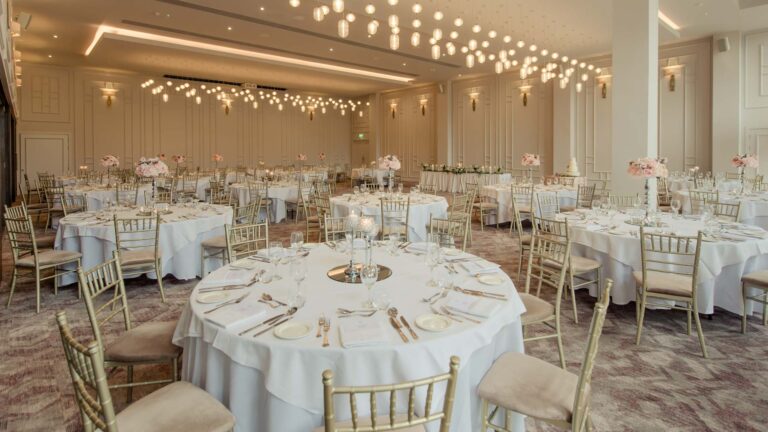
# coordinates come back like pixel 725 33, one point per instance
pixel 685 183
pixel 738 250
pixel 378 174
pixel 754 206
pixel 181 232
pixel 97 196
pixel 422 207
pixel 279 192
pixel 502 193
pixel 450 182
pixel 204 182
pixel 306 174
pixel 271 384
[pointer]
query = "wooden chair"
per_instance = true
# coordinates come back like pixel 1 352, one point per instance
pixel 548 204
pixel 450 227
pixel 29 261
pixel 622 202
pixel 126 193
pixel 727 212
pixel 53 196
pixel 756 281
pixel 522 196
pixel 138 247
pixel 178 406
pixel 395 215
pixel 216 247
pixel 246 240
pixel 189 185
pixel 391 420
pixel 483 205
pixel 335 228
pixel 585 196
pixel 73 204
pixel 147 344
pixel 517 382
pixel 547 264
pixel 460 210
pixel 700 198
pixel 524 240
pixel 670 267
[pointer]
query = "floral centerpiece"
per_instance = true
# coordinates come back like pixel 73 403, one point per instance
pixel 321 156
pixel 216 158
pixel 178 160
pixel 459 168
pixel 261 163
pixel 109 161
pixel 151 167
pixel 648 168
pixel 530 160
pixel 744 161
pixel 301 157
pixel 390 163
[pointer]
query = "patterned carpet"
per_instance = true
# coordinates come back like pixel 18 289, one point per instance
pixel 664 384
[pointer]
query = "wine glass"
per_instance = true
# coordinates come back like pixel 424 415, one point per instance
pixel 355 190
pixel 297 240
pixel 394 241
pixel 298 271
pixel 275 254
pixel 432 259
pixel 638 201
pixel 400 189
pixel 675 206
pixel 369 274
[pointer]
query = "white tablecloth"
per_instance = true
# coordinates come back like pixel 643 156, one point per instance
pixel 97 196
pixel 720 270
pixel 754 207
pixel 279 192
pixel 275 385
pixel 378 174
pixel 422 207
pixel 502 193
pixel 678 184
pixel 450 182
pixel 181 232
pixel 306 175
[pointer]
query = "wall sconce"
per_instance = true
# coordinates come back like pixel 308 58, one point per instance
pixel 311 113
pixel 227 104
pixel 473 98
pixel 109 91
pixel 671 70
pixel 393 107
pixel 525 91
pixel 602 80
pixel 423 105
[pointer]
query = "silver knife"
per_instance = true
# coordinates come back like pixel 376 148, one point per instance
pixel 286 319
pixel 231 302
pixel 266 321
pixel 408 326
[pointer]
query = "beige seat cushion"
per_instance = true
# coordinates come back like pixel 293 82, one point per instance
pixel 137 257
pixel 580 264
pixel 486 205
pixel 218 242
pixel 178 407
pixel 45 241
pixel 666 283
pixel 148 342
pixel 380 420
pixel 522 208
pixel 526 239
pixel 564 209
pixel 759 278
pixel 48 257
pixel 536 309
pixel 530 386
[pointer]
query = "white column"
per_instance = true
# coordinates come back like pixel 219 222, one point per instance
pixel 443 116
pixel 726 101
pixel 563 128
pixel 635 90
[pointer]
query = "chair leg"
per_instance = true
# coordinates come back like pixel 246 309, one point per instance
pixel 37 289
pixel 129 380
pixel 14 277
pixel 55 281
pixel 202 262
pixel 159 274
pixel 484 414
pixel 765 311
pixel 744 308
pixel 560 350
pixel 688 326
pixel 640 320
pixel 695 308
pixel 79 287
pixel 573 298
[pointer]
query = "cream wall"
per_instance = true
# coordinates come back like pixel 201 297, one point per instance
pixel 68 105
pixel 754 115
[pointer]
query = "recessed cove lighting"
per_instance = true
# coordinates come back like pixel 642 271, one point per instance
pixel 666 20
pixel 55 36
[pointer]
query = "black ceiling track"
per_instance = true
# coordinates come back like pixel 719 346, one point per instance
pixel 229 83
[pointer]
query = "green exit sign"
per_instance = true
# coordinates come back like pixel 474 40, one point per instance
pixel 361 136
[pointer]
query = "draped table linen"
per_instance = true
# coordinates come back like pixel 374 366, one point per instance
pixel 98 196
pixel 502 193
pixel 753 211
pixel 271 384
pixel 278 192
pixel 450 182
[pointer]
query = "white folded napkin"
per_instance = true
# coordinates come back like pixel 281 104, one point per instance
pixel 361 332
pixel 479 266
pixel 476 306
pixel 225 277
pixel 237 314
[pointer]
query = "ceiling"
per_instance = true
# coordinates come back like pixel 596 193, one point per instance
pixel 576 28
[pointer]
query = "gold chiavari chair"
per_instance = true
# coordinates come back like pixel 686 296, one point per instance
pixel 524 240
pixel 301 203
pixel 29 261
pixel 727 212
pixel 188 187
pixel 670 267
pixel 460 209
pixel 126 193
pixel 561 397
pixel 44 240
pixel 522 195
pixel 73 204
pixel 218 193
pixel 548 203
pixel 483 205
pixel 585 196
pixel 321 188
pixel 317 209
pixel 450 227
pixel 259 192
pixel 391 419
pixel 566 181
pixel 395 215
pixel 246 240
pixel 622 202
pixel 578 267
pixel 33 209
pixel 162 196
pixel 700 198
pixel 179 405
pixel 754 281
pixel 707 182
pixel 216 247
pixel 138 247
pixel 428 189
pixel 335 228
pixel 32 191
pixel 732 176
pixel 53 196
pixel 106 304
pixel 600 188
pixel 547 264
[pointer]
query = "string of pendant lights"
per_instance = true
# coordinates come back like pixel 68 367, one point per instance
pixel 227 95
pixel 478 50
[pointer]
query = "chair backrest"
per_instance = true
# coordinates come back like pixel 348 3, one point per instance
pixel 460 204
pixel 218 191
pixel 452 227
pixel 549 256
pixel 73 204
pixel 137 233
pixel 727 211
pixel 245 215
pixel 335 228
pixel 548 203
pixel 522 195
pixel 709 182
pixel 671 254
pixel 394 216
pixel 86 367
pixel 732 176
pixel 21 234
pixel 246 240
pixel 53 195
pixel 581 400
pixel 161 196
pixel 700 198
pixel 585 196
pixel 394 421
pixel 622 201
pixel 104 294
pixel 126 193
pixel 427 189
pixel 599 187
pixel 322 205
pixel 16 212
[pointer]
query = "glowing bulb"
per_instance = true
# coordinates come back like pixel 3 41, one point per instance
pixel 499 67
pixel 438 16
pixel 437 34
pixel 416 8
pixel 416 23
pixel 485 44
pixel 396 30
pixel 373 27
pixel 343 28
pixel 436 52
pixel 464 50
pixel 165 97
pixel 198 100
pixel 351 17
pixel 326 10
pixel 450 48
pixel 317 14
pixel 492 34
pixel 470 60
pixel 454 34
pixel 481 58
pixel 532 47
pixel 295 3
pixel 338 6
pixel 472 44
pixel 370 9
pixel 394 41
pixel 476 28
pixel 507 39
pixel 392 2
pixel 415 39
pixel 520 44
pixel 579 86
pixel 393 20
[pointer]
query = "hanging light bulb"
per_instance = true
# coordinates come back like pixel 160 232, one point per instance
pixel 563 83
pixel 415 39
pixel 198 100
pixel 317 14
pixel 450 48
pixel 392 2
pixel 351 17
pixel 472 44
pixel 458 22
pixel 503 55
pixel 394 41
pixel 470 60
pixel 165 97
pixel 370 9
pixel 507 39
pixel 437 34
pixel 454 34
pixel 438 16
pixel 326 10
pixel 343 28
pixel 492 34
pixel 295 3
pixel 393 20
pixel 255 105
pixel 416 8
pixel 481 58
pixel 435 52
pixel 476 28
pixel 579 86
pixel 338 6
pixel 373 27
pixel 499 67
pixel 395 30
pixel 485 44
pixel 464 50
pixel 416 23
pixel 523 73
pixel 584 77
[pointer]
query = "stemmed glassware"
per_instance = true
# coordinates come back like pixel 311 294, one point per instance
pixel 369 274
pixel 276 253
pixel 675 206
pixel 298 268
pixel 432 257
pixel 297 240
pixel 394 242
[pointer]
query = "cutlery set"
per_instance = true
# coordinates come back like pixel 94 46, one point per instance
pixel 271 322
pixel 400 324
pixel 479 293
pixel 227 303
pixel 346 313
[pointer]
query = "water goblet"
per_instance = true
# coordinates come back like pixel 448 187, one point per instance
pixel 675 206
pixel 369 274
pixel 394 241
pixel 297 240
pixel 298 269
pixel 432 260
pixel 275 254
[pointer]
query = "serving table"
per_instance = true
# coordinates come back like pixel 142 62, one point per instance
pixel 272 384
pixel 450 182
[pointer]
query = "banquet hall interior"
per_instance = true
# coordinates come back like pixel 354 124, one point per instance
pixel 380 215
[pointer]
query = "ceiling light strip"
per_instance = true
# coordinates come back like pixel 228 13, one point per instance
pixel 668 21
pixel 122 33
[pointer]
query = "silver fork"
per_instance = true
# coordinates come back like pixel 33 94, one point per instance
pixel 231 302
